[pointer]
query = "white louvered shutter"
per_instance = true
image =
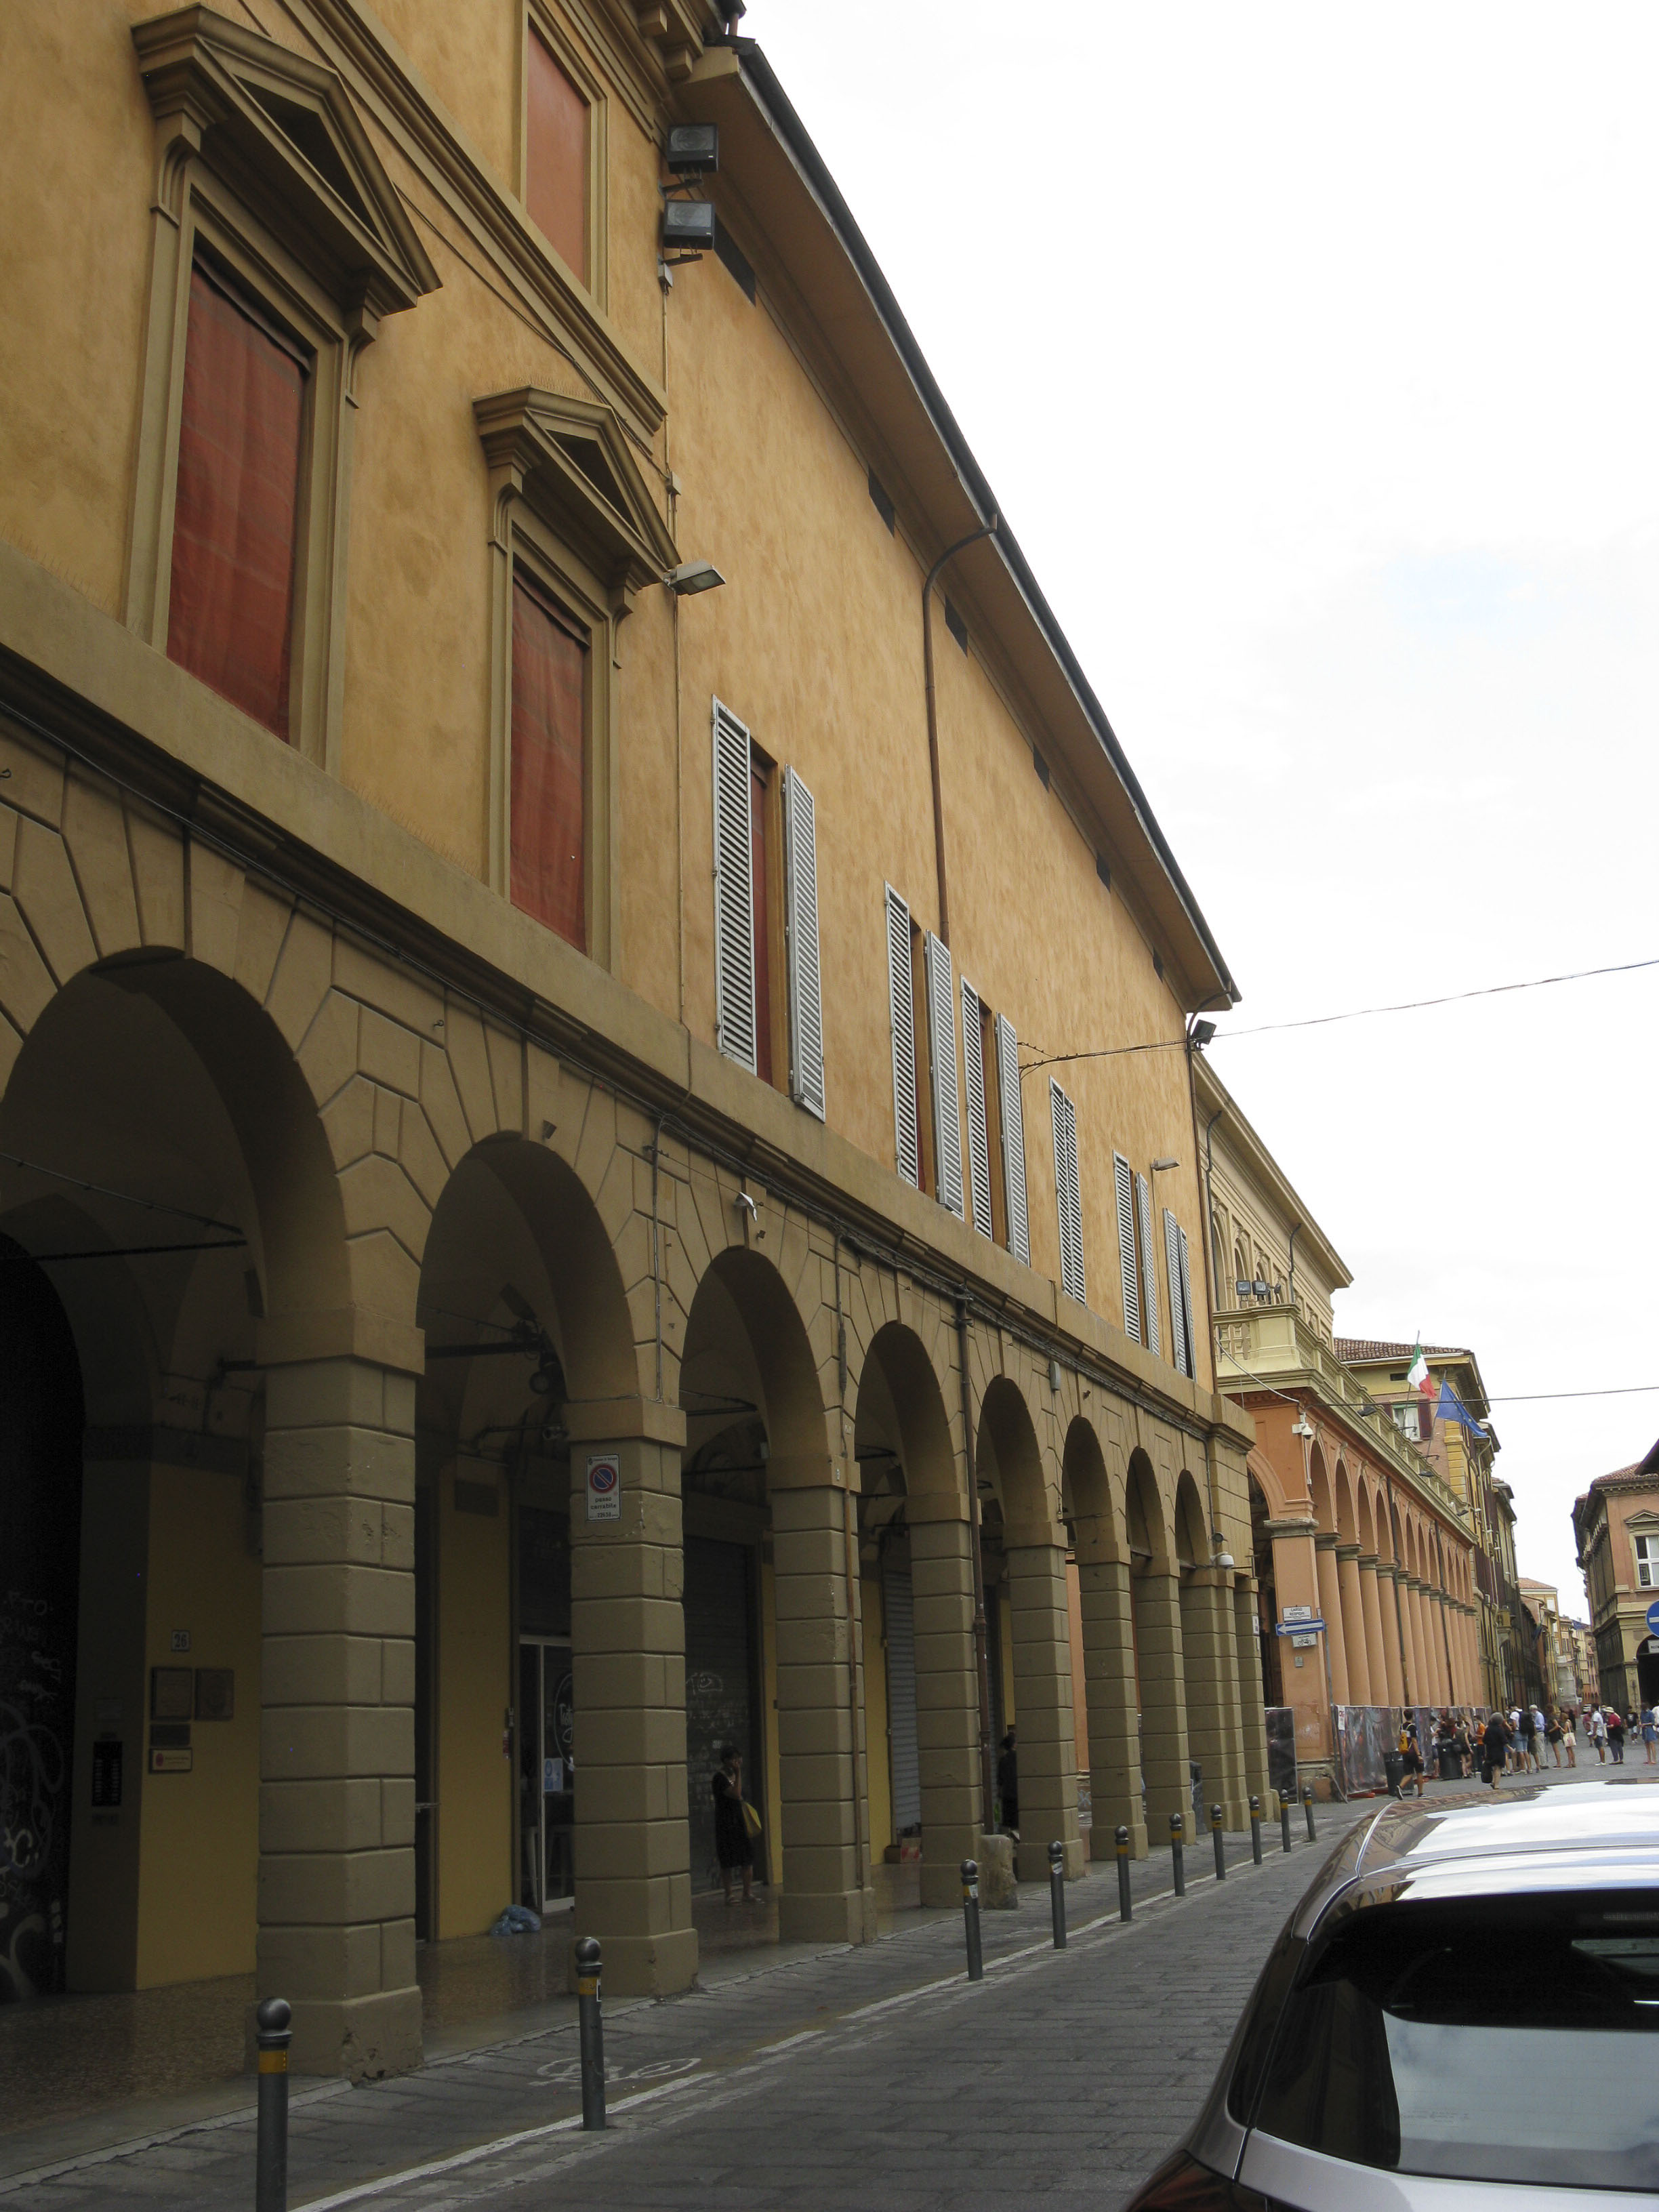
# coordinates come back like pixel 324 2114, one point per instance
pixel 1153 1338
pixel 942 1039
pixel 800 925
pixel 734 893
pixel 1013 1139
pixel 1124 1182
pixel 1186 1304
pixel 1067 1192
pixel 904 1039
pixel 1178 1338
pixel 973 1061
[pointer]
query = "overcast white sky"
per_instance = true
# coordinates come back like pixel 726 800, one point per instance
pixel 1311 353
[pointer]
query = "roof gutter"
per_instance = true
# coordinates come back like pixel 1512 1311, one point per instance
pixel 762 80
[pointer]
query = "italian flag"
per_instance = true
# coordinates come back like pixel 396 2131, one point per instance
pixel 1418 1373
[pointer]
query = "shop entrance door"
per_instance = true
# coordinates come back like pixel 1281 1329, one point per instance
pixel 547 1780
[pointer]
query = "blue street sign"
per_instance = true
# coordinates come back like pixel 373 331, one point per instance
pixel 1308 1627
pixel 1653 1617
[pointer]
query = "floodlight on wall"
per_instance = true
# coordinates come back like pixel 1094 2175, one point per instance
pixel 688 226
pixel 1200 1034
pixel 693 150
pixel 1162 1167
pixel 692 577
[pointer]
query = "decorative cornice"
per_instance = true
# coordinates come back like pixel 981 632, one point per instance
pixel 570 460
pixel 285 132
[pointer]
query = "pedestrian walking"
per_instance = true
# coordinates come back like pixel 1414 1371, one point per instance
pixel 1597 1728
pixel 1411 1760
pixel 1553 1736
pixel 1464 1743
pixel 1616 1735
pixel 1569 1739
pixel 1008 1781
pixel 1523 1720
pixel 1494 1748
pixel 736 1825
pixel 1649 1734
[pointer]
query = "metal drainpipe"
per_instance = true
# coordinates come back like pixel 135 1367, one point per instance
pixel 986 530
pixel 981 1637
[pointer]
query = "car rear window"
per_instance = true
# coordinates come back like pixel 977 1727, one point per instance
pixel 1507 2040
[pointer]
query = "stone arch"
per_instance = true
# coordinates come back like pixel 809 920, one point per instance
pixel 1110 1701
pixel 1319 1489
pixel 1146 1530
pixel 761 1443
pixel 529 1362
pixel 1192 1545
pixel 1024 1547
pixel 1155 1598
pixel 182 1169
pixel 922 1671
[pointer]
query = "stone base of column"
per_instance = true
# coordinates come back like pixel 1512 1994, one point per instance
pixel 1103 1841
pixel 646 1966
pixel 362 2037
pixel 1032 1858
pixel 847 1917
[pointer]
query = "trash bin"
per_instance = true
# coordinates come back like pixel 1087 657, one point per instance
pixel 1451 1766
pixel 1394 1766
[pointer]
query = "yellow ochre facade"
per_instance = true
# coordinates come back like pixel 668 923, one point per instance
pixel 549 1217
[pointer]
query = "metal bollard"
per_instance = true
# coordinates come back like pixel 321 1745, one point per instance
pixel 592 2033
pixel 1177 1855
pixel 271 2156
pixel 1256 1830
pixel 970 1919
pixel 1057 1892
pixel 1220 1846
pixel 1285 1820
pixel 1306 1807
pixel 1125 1908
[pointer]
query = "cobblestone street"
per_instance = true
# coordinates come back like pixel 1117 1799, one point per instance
pixel 1065 2075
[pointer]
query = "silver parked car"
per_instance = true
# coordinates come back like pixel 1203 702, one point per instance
pixel 1463 2012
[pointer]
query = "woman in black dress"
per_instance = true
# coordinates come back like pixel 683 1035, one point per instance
pixel 733 1845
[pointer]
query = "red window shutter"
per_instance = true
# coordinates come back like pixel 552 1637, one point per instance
pixel 763 922
pixel 556 156
pixel 549 717
pixel 230 610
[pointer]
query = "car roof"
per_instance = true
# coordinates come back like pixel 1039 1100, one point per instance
pixel 1600 1834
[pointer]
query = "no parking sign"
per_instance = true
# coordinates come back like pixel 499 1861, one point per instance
pixel 605 1487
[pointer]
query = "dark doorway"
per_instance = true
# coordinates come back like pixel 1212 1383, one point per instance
pixel 40 1431
pixel 721 1703
pixel 1262 1548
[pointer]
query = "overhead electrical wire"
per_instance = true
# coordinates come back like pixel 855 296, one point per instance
pixel 1352 1014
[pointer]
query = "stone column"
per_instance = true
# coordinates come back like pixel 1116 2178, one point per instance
pixel 947 1694
pixel 1353 1626
pixel 1376 1665
pixel 827 1894
pixel 1330 1607
pixel 336 1798
pixel 632 1850
pixel 1296 1580
pixel 1206 1636
pixel 1393 1660
pixel 1422 1676
pixel 1041 1627
pixel 1443 1629
pixel 1157 1601
pixel 1251 1704
pixel 1109 1672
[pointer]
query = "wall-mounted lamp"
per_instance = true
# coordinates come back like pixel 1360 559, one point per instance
pixel 693 150
pixel 1162 1167
pixel 688 226
pixel 693 576
pixel 1200 1034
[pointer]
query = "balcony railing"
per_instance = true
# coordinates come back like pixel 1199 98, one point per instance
pixel 1272 1343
